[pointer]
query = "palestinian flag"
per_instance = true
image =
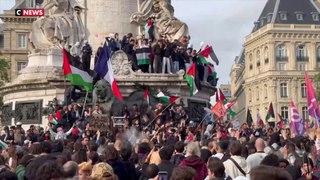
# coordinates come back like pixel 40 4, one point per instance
pixel 260 122
pixel 74 73
pixel 147 28
pixel 167 99
pixel 270 114
pixel 53 119
pixel 212 72
pixel 217 96
pixel 190 77
pixel 146 95
pixel 143 55
pixel 207 55
pixel 226 104
pixel 280 122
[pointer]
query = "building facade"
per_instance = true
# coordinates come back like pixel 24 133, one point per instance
pixel 284 44
pixel 14 33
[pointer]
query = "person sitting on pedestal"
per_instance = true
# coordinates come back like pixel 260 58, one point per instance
pixel 97 110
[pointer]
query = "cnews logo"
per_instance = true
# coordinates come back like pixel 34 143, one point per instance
pixel 29 12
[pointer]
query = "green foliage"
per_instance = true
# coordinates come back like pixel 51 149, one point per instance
pixel 317 85
pixel 4 71
pixel 4 76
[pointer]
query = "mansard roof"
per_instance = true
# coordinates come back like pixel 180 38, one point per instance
pixel 288 12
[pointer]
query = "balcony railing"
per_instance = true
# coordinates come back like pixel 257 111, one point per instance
pixel 282 58
pixel 302 58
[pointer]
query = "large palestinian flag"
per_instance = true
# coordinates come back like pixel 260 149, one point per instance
pixel 74 73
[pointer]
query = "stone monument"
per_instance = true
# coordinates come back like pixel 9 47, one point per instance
pixel 161 12
pixel 104 17
pixel 66 24
pixel 42 80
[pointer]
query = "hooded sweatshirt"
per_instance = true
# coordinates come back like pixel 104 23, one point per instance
pixel 20 171
pixel 197 164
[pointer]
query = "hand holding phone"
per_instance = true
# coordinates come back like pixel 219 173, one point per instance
pixel 163 175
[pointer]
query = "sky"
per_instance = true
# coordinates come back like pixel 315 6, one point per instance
pixel 220 23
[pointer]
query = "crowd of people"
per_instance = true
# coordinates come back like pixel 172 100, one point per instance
pixel 158 55
pixel 173 147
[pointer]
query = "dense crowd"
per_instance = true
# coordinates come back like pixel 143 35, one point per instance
pixel 173 147
pixel 159 55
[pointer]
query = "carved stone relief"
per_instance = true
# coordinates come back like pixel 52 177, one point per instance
pixel 28 112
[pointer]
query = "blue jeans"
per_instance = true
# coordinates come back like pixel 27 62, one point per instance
pixel 175 66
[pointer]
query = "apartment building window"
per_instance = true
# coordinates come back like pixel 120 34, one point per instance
pixel 318 54
pixel 250 95
pixel 265 91
pixel 22 41
pixel 299 17
pixel 285 112
pixel 315 16
pixel 266 55
pixel 302 67
pixel 258 58
pixel 281 66
pixel 283 90
pixel 250 60
pixel 303 90
pixel 1 41
pixel 257 93
pixel 302 53
pixel 281 53
pixel 31 4
pixel 283 15
pixel 305 112
pixel 21 65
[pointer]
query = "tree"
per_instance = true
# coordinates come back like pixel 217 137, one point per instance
pixel 317 85
pixel 4 75
pixel 4 71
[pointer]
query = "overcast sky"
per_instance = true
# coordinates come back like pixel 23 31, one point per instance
pixel 221 23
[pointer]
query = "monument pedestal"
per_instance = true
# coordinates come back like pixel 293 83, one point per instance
pixel 36 85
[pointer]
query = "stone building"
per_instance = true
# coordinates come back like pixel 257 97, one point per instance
pixel 14 33
pixel 284 43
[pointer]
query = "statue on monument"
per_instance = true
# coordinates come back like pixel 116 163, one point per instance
pixel 162 12
pixel 75 50
pixel 61 27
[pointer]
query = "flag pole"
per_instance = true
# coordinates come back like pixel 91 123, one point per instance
pixel 316 117
pixel 159 115
pixel 84 104
pixel 202 120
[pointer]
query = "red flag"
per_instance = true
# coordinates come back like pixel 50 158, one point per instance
pixel 217 96
pixel 58 114
pixel 313 106
pixel 259 120
pixel 173 98
pixel 219 110
pixel 221 97
pixel 280 123
pixel 146 95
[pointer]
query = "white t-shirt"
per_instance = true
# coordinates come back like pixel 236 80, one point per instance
pixel 255 159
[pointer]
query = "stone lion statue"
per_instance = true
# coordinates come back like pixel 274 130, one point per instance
pixel 102 94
